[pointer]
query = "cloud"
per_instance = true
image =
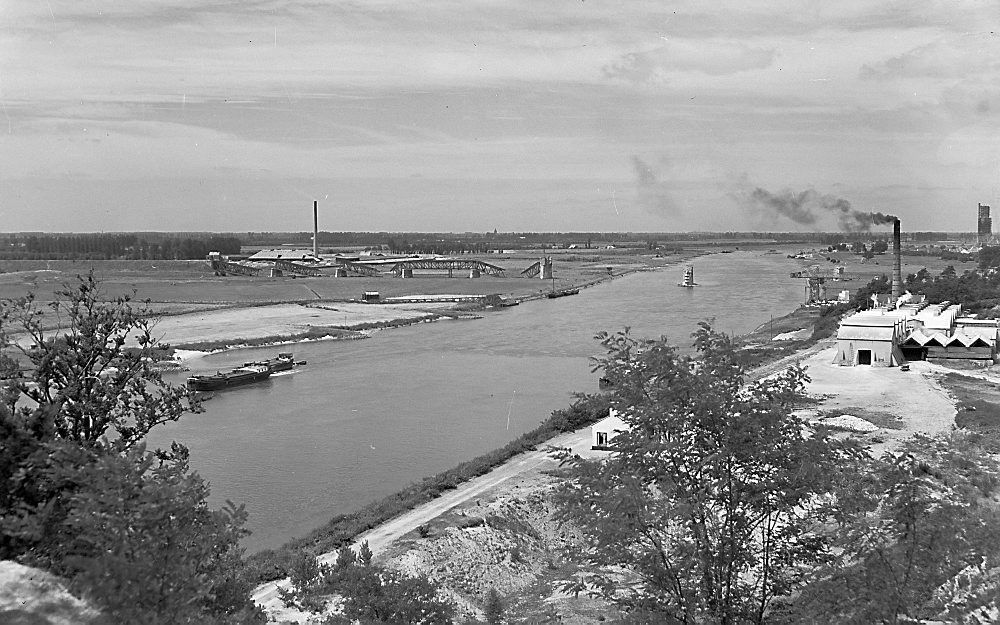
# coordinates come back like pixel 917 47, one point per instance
pixel 715 58
pixel 948 58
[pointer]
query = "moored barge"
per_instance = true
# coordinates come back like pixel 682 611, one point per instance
pixel 239 376
pixel 249 373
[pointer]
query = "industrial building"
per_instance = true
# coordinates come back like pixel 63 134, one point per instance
pixel 298 256
pixel 902 330
pixel 985 229
pixel 915 331
pixel 870 339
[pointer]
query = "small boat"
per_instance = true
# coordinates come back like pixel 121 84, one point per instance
pixel 562 293
pixel 247 374
pixel 284 362
pixel 688 279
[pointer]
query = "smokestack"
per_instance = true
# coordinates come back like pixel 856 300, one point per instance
pixel 897 273
pixel 316 228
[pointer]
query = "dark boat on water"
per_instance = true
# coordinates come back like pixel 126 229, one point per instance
pixel 562 293
pixel 237 377
pixel 283 362
pixel 249 373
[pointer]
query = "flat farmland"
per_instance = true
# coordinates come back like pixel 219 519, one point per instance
pixel 193 282
pixel 196 306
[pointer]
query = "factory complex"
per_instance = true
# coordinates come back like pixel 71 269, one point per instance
pixel 902 330
pixel 914 331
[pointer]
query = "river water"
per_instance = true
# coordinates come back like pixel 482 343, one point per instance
pixel 366 418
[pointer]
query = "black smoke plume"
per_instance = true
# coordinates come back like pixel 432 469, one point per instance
pixel 652 194
pixel 805 207
pixel 644 175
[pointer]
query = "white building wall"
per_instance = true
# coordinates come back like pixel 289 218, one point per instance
pixel 602 432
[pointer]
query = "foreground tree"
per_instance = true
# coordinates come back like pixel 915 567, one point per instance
pixel 926 548
pixel 80 495
pixel 92 365
pixel 711 504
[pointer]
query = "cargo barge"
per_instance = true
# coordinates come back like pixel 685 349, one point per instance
pixel 237 377
pixel 249 373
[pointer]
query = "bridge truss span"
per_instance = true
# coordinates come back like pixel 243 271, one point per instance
pixel 447 264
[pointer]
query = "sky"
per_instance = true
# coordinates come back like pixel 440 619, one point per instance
pixel 515 115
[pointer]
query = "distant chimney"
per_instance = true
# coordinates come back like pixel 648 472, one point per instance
pixel 315 228
pixel 897 272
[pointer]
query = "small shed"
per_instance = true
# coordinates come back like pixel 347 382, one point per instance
pixel 606 429
pixel 870 339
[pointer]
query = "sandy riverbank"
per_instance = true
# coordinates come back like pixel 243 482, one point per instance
pixel 282 321
pixel 217 328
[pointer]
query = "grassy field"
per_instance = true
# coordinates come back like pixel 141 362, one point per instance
pixel 169 283
pixel 182 287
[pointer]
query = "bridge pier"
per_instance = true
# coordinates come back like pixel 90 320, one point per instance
pixel 546 268
pixel 451 273
pixel 407 272
pixel 474 273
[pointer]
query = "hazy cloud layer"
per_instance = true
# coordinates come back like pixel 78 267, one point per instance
pixel 548 106
pixel 715 58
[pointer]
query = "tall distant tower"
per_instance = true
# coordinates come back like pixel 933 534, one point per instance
pixel 985 230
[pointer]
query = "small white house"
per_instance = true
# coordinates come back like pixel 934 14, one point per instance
pixel 606 429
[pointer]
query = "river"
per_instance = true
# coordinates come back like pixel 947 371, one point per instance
pixel 366 418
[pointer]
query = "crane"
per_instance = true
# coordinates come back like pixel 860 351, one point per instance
pixel 815 290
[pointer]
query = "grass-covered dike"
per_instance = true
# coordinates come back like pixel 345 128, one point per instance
pixel 274 564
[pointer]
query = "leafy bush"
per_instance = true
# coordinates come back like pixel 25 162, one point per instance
pixel 369 593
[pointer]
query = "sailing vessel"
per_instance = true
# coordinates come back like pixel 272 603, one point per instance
pixel 688 279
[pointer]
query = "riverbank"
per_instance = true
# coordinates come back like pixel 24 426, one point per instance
pixel 498 531
pixel 423 503
pixel 219 328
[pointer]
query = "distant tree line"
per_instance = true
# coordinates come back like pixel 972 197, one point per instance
pixel 456 242
pixel 436 246
pixel 114 246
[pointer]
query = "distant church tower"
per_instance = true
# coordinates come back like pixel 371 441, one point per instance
pixel 985 230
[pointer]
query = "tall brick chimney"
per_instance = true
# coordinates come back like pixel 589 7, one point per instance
pixel 316 228
pixel 897 273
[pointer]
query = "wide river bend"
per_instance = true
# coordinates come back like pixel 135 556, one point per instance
pixel 366 418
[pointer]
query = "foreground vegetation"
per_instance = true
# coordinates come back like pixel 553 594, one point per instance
pixel 720 505
pixel 80 494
